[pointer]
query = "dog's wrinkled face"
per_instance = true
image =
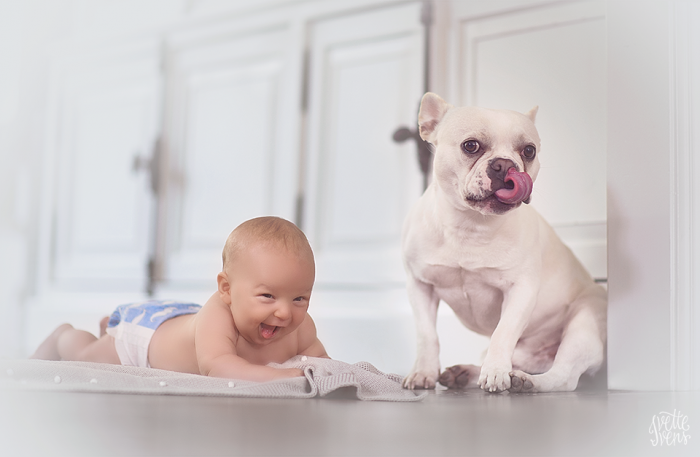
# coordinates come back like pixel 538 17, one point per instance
pixel 474 150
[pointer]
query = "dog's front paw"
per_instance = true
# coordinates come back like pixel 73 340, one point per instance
pixel 420 380
pixel 495 378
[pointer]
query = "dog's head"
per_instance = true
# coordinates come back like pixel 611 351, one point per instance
pixel 485 159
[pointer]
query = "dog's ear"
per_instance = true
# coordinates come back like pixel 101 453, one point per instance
pixel 432 110
pixel 532 113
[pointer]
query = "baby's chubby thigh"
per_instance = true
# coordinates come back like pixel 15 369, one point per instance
pixel 88 349
pixel 172 345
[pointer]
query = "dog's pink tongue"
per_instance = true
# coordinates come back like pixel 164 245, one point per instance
pixel 522 188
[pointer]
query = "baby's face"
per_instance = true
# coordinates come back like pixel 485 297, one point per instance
pixel 270 292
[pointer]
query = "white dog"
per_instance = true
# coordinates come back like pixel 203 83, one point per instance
pixel 470 242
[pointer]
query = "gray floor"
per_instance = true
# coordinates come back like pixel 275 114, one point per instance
pixel 445 423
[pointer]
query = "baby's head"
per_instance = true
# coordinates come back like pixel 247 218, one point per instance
pixel 269 231
pixel 267 278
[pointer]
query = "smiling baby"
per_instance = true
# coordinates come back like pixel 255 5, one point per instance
pixel 257 316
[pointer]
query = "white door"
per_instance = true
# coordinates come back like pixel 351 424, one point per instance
pixel 98 196
pixel 365 80
pixel 231 148
pixel 96 219
pixel 553 57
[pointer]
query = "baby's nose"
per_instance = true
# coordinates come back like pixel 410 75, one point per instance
pixel 283 311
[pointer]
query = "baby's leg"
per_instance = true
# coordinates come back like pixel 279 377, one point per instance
pixel 68 343
pixel 48 349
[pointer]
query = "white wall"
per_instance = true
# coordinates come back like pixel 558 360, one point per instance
pixel 653 141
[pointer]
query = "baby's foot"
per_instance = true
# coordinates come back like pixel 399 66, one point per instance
pixel 103 326
pixel 48 350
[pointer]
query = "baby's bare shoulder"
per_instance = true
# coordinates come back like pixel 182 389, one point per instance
pixel 215 318
pixel 307 329
pixel 308 325
pixel 309 343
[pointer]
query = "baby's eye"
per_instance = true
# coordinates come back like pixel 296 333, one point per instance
pixel 299 299
pixel 268 296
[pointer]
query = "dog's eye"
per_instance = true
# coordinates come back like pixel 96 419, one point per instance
pixel 529 152
pixel 471 146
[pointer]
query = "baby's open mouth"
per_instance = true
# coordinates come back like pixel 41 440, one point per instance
pixel 268 331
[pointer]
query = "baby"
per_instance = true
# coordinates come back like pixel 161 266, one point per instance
pixel 257 316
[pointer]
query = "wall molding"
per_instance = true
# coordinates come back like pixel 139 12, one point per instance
pixel 684 204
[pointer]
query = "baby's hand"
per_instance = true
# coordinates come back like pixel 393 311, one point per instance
pixel 292 372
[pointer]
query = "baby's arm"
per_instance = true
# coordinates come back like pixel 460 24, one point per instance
pixel 309 344
pixel 215 343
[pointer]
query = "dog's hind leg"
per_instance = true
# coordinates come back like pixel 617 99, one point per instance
pixel 460 377
pixel 582 348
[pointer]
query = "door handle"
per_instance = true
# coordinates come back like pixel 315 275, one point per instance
pixel 152 167
pixel 425 156
pixel 149 165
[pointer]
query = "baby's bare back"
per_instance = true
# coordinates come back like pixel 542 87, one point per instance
pixel 172 346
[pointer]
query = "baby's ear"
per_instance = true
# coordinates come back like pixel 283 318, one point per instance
pixel 533 113
pixel 432 110
pixel 224 287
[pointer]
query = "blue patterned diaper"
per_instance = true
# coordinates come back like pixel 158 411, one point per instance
pixel 152 313
pixel 132 326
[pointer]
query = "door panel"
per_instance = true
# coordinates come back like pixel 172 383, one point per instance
pixel 365 80
pixel 109 99
pixel 552 56
pixel 231 157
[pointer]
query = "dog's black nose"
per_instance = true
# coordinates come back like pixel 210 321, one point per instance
pixel 499 167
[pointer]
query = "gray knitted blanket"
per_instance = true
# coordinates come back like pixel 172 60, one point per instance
pixel 322 377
